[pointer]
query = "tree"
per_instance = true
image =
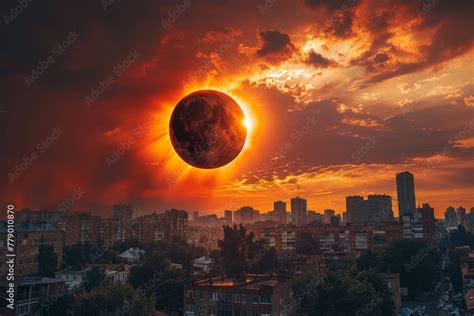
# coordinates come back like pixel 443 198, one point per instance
pixel 344 292
pixel 47 261
pixel 112 300
pixel 153 268
pixel 306 244
pixel 417 262
pixel 235 248
pixel 263 258
pixel 94 278
pixel 169 295
pixel 368 260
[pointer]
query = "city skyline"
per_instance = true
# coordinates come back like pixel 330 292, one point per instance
pixel 439 212
pixel 337 97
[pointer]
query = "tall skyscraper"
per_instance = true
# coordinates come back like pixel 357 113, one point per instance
pixel 461 212
pixel 279 211
pixel 298 210
pixel 450 218
pixel 406 193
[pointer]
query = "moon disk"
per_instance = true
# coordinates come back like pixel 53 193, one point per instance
pixel 207 129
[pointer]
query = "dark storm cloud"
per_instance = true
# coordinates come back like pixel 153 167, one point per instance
pixel 319 60
pixel 331 4
pixel 453 34
pixel 274 43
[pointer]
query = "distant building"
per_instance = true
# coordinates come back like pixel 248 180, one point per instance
pixel 335 220
pixel 406 193
pixel 450 218
pixel 73 279
pixel 246 215
pixel 375 210
pixel 177 222
pixel 334 238
pixel 82 228
pixel 28 239
pixel 262 295
pixel 56 218
pixel 195 216
pixel 298 211
pixel 428 222
pixel 132 255
pixel 122 211
pixel 412 226
pixel 327 216
pixel 228 217
pixel 461 216
pixel 314 217
pixel 279 212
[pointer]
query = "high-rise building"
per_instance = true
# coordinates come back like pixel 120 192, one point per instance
pixel 228 217
pixel 82 228
pixel 177 221
pixel 298 210
pixel 354 207
pixel 461 216
pixel 123 211
pixel 29 237
pixel 450 218
pixel 380 208
pixel 279 212
pixel 328 213
pixel 375 210
pixel 428 222
pixel 246 215
pixel 195 216
pixel 406 193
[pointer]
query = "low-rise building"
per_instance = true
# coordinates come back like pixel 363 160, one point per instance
pixel 263 295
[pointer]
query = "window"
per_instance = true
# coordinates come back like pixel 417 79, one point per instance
pixel 190 308
pixel 243 298
pixel 265 299
pixel 255 299
pixel 201 295
pixel 189 294
pixel 237 298
pixel 265 314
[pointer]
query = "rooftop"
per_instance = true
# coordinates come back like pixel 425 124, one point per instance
pixel 252 281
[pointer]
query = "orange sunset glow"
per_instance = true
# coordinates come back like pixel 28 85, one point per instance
pixel 338 97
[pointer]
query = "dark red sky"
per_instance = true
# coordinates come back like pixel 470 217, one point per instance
pixel 342 96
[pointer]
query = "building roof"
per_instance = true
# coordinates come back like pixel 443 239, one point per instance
pixel 252 282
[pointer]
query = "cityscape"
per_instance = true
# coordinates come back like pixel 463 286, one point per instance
pixel 244 262
pixel 237 158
